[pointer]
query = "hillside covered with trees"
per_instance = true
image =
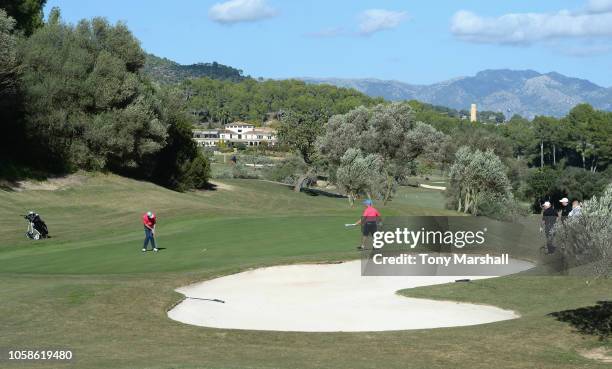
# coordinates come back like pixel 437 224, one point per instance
pixel 165 71
pixel 216 101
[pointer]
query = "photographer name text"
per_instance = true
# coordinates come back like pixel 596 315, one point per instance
pixel 441 260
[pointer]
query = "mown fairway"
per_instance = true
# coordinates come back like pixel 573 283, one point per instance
pixel 92 290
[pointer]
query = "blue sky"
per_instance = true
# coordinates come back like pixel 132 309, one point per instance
pixel 412 41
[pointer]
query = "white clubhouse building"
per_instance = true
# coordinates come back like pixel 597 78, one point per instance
pixel 234 134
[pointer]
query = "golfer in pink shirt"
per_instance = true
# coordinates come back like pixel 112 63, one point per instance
pixel 369 221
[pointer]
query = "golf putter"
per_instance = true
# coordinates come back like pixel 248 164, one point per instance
pixel 155 236
pixel 203 299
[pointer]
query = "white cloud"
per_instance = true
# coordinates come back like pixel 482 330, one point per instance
pixel 375 20
pixel 528 28
pixel 599 6
pixel 234 11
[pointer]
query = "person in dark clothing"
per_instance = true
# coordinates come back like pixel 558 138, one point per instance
pixel 549 218
pixel 369 222
pixel 565 208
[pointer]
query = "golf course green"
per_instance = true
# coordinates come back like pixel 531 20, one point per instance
pixel 90 289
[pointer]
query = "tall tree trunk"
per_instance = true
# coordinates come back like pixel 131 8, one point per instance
pixel 541 153
pixel 554 154
pixel 466 205
pixel 583 160
pixel 301 179
pixel 389 188
pixel 299 182
pixel 459 202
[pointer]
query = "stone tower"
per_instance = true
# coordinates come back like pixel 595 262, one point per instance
pixel 473 113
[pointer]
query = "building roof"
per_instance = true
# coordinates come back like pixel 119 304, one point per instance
pixel 265 129
pixel 257 130
pixel 262 132
pixel 239 124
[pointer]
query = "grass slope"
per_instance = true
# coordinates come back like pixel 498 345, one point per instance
pixel 89 288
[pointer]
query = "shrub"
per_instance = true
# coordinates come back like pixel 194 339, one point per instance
pixel 242 171
pixel 503 208
pixel 286 171
pixel 586 240
pixel 478 181
pixel 254 159
pixel 223 173
pixel 547 184
pixel 197 173
pixel 360 174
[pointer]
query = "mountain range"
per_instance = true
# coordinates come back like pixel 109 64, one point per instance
pixel 524 92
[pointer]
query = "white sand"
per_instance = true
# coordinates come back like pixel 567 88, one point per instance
pixel 325 298
pixel 441 188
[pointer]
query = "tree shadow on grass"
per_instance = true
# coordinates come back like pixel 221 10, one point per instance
pixel 594 320
pixel 8 186
pixel 209 187
pixel 12 174
pixel 317 192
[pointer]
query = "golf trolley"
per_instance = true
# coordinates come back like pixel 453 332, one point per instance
pixel 37 228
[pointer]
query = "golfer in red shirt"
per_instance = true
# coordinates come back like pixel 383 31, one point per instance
pixel 149 220
pixel 369 221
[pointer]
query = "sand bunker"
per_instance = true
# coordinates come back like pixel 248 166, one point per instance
pixel 324 298
pixel 600 354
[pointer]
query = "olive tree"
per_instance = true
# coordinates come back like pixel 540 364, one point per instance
pixel 477 178
pixel 299 132
pixel 586 239
pixel 359 174
pixel 387 130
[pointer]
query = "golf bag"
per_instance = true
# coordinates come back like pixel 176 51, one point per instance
pixel 37 228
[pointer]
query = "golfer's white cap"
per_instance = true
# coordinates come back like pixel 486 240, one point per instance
pixel 150 214
pixel 564 200
pixel 547 203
